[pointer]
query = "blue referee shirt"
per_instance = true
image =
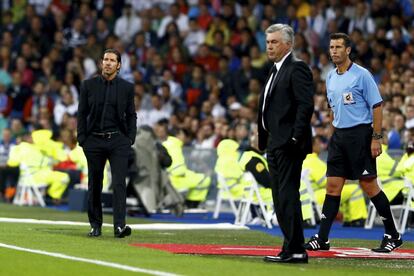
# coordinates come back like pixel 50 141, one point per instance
pixel 352 96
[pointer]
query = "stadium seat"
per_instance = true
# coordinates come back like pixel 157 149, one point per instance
pixel 316 208
pixel 253 197
pixel 404 208
pixel 407 206
pixel 28 193
pixel 223 193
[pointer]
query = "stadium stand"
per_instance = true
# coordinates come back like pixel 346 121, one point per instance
pixel 198 64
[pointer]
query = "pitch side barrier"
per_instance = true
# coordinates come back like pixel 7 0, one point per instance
pixel 204 160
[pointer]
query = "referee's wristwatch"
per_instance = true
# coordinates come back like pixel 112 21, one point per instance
pixel 377 136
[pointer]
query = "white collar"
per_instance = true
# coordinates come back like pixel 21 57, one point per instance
pixel 279 64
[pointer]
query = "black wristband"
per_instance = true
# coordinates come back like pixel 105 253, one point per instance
pixel 376 136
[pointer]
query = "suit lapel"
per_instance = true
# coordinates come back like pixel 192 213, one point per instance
pixel 280 72
pixel 264 88
pixel 97 92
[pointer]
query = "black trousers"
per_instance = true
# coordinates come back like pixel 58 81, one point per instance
pixel 285 166
pixel 99 149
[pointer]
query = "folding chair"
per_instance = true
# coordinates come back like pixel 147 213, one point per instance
pixel 372 212
pixel 27 192
pixel 315 206
pixel 247 201
pixel 223 193
pixel 407 206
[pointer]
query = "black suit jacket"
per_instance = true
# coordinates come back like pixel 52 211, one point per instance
pixel 289 108
pixel 88 107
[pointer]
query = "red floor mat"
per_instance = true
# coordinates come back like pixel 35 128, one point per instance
pixel 335 252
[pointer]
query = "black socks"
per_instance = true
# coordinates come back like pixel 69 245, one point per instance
pixel 382 205
pixel 329 211
pixel 331 207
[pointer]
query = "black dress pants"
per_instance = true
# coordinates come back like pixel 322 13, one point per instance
pixel 99 149
pixel 285 166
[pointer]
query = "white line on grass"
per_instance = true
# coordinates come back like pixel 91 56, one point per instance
pixel 97 262
pixel 149 226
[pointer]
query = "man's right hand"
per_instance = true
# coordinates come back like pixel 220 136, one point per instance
pixel 376 148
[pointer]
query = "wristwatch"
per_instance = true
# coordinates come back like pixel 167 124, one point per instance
pixel 376 136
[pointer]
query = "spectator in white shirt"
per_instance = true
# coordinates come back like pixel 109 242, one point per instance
pixel 142 115
pixel 362 20
pixel 218 110
pixel 127 25
pixel 175 87
pixel 66 104
pixel 40 5
pixel 205 136
pixel 157 112
pixel 316 20
pixel 324 65
pixel 175 15
pixel 140 6
pixel 195 37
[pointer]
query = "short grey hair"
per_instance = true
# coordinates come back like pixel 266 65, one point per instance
pixel 288 34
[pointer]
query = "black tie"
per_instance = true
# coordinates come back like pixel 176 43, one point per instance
pixel 271 80
pixel 273 73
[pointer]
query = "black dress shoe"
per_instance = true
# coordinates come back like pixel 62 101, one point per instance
pixel 95 232
pixel 298 258
pixel 122 232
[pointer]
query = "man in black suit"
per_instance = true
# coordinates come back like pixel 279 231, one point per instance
pixel 285 111
pixel 106 131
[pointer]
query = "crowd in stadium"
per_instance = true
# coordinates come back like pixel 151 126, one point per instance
pixel 199 64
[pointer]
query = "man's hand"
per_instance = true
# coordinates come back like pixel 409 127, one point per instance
pixel 376 148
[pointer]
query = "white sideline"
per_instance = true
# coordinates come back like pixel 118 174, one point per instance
pixel 149 226
pixel 97 262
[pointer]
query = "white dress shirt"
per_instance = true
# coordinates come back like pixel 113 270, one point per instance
pixel 269 81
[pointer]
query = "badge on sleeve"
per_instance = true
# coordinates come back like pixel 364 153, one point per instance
pixel 348 98
pixel 260 167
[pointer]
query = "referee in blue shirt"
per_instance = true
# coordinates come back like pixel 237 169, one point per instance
pixel 356 105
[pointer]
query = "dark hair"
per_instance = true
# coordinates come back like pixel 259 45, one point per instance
pixel 165 84
pixel 112 51
pixel 147 128
pixel 343 36
pixel 320 138
pixel 175 132
pixel 163 121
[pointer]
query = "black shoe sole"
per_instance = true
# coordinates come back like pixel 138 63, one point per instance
pixel 377 250
pixel 271 259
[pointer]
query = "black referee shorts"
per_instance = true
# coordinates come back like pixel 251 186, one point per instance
pixel 349 153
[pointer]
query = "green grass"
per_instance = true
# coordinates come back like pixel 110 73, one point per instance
pixel 72 240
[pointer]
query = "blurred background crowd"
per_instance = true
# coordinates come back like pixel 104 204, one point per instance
pixel 197 64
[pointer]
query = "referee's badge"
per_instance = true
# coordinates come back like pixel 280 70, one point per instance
pixel 348 98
